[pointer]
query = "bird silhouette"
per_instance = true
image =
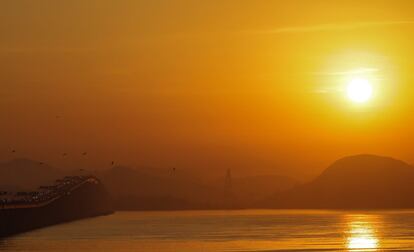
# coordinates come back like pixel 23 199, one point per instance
pixel 112 163
pixel 13 151
pixel 84 154
pixel 64 154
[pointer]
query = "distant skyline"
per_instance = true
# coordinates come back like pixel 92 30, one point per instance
pixel 255 86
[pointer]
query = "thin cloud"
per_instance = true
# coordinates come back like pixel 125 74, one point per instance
pixel 350 72
pixel 335 27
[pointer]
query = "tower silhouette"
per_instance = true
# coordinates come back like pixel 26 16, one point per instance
pixel 229 199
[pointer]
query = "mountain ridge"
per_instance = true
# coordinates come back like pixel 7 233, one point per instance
pixel 360 181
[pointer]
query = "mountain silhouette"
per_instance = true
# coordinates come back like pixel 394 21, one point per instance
pixel 141 188
pixel 26 174
pixel 251 189
pixel 138 189
pixel 362 181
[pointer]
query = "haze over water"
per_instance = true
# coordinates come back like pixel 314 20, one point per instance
pixel 244 230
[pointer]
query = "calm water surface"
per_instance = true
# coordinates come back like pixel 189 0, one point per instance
pixel 247 230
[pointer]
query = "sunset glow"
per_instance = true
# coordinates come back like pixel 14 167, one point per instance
pixel 165 84
pixel 175 120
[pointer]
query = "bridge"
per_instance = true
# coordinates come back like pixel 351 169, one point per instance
pixel 45 194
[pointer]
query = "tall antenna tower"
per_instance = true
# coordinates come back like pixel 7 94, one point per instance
pixel 228 190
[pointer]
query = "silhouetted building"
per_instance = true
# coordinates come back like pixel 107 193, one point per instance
pixel 229 197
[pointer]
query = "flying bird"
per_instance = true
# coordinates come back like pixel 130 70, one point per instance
pixel 84 154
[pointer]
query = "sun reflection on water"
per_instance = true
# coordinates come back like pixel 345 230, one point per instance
pixel 362 233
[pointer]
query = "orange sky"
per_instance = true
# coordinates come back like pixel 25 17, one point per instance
pixel 250 85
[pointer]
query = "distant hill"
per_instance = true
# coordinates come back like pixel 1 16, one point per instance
pixel 249 190
pixel 26 174
pixel 144 188
pixel 137 189
pixel 363 181
pixel 147 188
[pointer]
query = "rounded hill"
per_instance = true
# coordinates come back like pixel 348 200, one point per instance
pixel 362 181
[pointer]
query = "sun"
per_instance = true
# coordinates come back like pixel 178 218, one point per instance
pixel 359 90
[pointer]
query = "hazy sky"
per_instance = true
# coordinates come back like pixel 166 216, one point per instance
pixel 251 85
